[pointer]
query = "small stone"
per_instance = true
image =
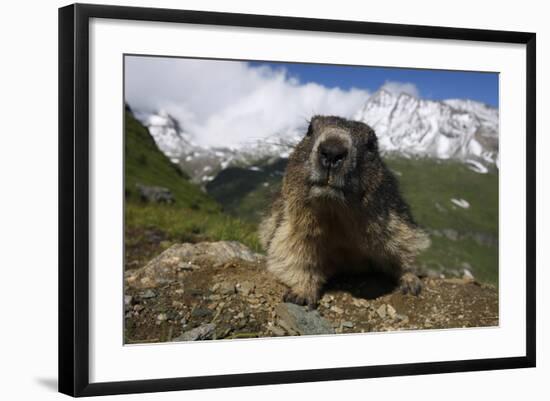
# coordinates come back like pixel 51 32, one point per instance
pixel 326 299
pixel 203 332
pixel 390 310
pixel 360 302
pixel 127 300
pixel 187 267
pixel 381 311
pixel 402 318
pixel 277 331
pixel 468 276
pixel 201 312
pixel 161 317
pixel 240 315
pixel 336 309
pixel 246 288
pixel 287 327
pixel 226 288
pixel 138 308
pixel 347 324
pixel 294 318
pixel 147 294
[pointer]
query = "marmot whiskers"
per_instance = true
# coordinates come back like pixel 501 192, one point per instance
pixel 340 209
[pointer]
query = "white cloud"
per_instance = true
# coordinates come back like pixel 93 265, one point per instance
pixel 230 103
pixel 397 88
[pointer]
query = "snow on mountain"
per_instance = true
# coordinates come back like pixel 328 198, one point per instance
pixel 167 133
pixel 452 129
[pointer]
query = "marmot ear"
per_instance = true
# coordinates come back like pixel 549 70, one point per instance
pixel 309 129
pixel 372 142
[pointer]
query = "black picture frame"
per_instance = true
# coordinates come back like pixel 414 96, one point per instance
pixel 74 198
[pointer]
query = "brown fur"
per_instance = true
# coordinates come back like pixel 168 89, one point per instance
pixel 349 218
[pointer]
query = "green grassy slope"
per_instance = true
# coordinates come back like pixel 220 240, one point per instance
pixel 194 216
pixel 429 185
pixel 427 182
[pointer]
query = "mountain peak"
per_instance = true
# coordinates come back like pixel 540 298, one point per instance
pixel 451 129
pixel 465 130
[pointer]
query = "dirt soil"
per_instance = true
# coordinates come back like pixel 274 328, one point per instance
pixel 240 299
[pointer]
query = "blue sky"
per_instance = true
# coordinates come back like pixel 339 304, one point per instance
pixel 245 103
pixel 431 84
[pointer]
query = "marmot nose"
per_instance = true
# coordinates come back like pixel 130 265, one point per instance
pixel 332 153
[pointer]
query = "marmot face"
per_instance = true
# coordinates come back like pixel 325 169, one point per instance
pixel 338 155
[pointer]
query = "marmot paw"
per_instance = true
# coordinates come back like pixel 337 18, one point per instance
pixel 410 284
pixel 292 297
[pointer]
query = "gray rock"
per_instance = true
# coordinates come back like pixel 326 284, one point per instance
pixel 201 312
pixel 187 267
pixel 180 257
pixel 390 310
pixel 226 288
pixel 246 288
pixel 147 294
pixel 155 194
pixel 203 332
pixel 277 331
pixel 467 275
pixel 336 309
pixel 347 324
pixel 402 318
pixel 295 318
pixel 381 311
pixel 127 300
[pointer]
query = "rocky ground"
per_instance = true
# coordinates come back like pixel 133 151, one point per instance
pixel 221 290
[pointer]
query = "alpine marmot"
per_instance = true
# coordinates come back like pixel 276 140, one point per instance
pixel 339 210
